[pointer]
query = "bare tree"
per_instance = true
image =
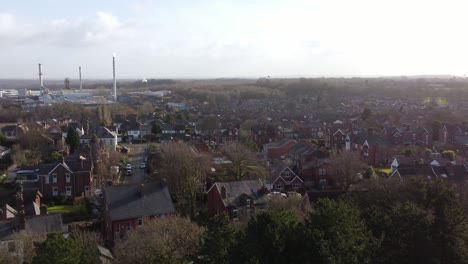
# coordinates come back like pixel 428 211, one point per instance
pixel 23 244
pixel 244 162
pixel 171 239
pixel 347 168
pixel 146 108
pixel 184 170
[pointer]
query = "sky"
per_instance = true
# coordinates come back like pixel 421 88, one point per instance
pixel 239 38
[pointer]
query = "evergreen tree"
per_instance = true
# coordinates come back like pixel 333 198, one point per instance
pixel 57 250
pixel 336 233
pixel 270 237
pixel 73 139
pixel 217 242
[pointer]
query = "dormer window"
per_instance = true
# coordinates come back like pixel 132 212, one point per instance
pixel 247 203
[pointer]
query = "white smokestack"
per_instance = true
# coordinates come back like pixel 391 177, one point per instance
pixel 115 80
pixel 41 82
pixel 81 83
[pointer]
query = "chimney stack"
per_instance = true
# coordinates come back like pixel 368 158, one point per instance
pixel 81 83
pixel 41 82
pixel 115 80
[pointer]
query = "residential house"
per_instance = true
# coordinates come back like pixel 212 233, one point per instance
pixel 24 219
pixel 262 134
pixel 286 130
pixel 307 129
pixel 278 150
pixel 335 138
pixel 374 149
pixel 317 173
pixel 71 177
pixel 238 199
pixel 12 132
pixel 126 207
pixel 228 135
pixel 283 178
pixel 455 174
pixel 103 134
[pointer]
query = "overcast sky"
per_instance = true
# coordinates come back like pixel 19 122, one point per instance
pixel 239 38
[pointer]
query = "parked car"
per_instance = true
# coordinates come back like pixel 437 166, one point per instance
pixel 142 165
pixel 128 167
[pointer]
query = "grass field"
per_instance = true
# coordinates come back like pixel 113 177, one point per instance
pixel 64 209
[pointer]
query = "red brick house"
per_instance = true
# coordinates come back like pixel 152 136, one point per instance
pixel 263 134
pixel 283 178
pixel 278 150
pixel 70 177
pixel 13 131
pixel 125 207
pixel 316 173
pixel 238 199
pixel 335 139
pixel 308 129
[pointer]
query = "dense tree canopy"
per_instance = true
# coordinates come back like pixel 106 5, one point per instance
pixel 73 139
pixel 57 249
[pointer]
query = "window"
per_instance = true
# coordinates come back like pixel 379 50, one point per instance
pixel 286 173
pixel 67 177
pixel 86 189
pixel 117 228
pixel 296 185
pixel 235 215
pixel 322 171
pixel 54 177
pixel 323 182
pixel 47 179
pixel 247 203
pixel 68 190
pixel 128 226
pixel 140 221
pixel 54 191
pixel 278 186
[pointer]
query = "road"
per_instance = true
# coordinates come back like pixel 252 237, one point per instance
pixel 136 156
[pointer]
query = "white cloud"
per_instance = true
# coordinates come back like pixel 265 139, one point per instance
pixel 7 23
pixel 234 38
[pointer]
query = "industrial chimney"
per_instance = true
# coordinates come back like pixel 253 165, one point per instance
pixel 41 82
pixel 115 81
pixel 81 83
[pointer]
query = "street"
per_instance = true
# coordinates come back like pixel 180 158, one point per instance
pixel 136 156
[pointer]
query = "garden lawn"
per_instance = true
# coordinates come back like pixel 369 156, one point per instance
pixel 64 209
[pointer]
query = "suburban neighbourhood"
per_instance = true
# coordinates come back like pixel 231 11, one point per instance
pixel 109 173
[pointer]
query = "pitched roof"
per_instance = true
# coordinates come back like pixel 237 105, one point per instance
pixel 101 132
pixel 44 223
pixel 252 188
pixel 135 200
pixel 278 144
pixel 37 224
